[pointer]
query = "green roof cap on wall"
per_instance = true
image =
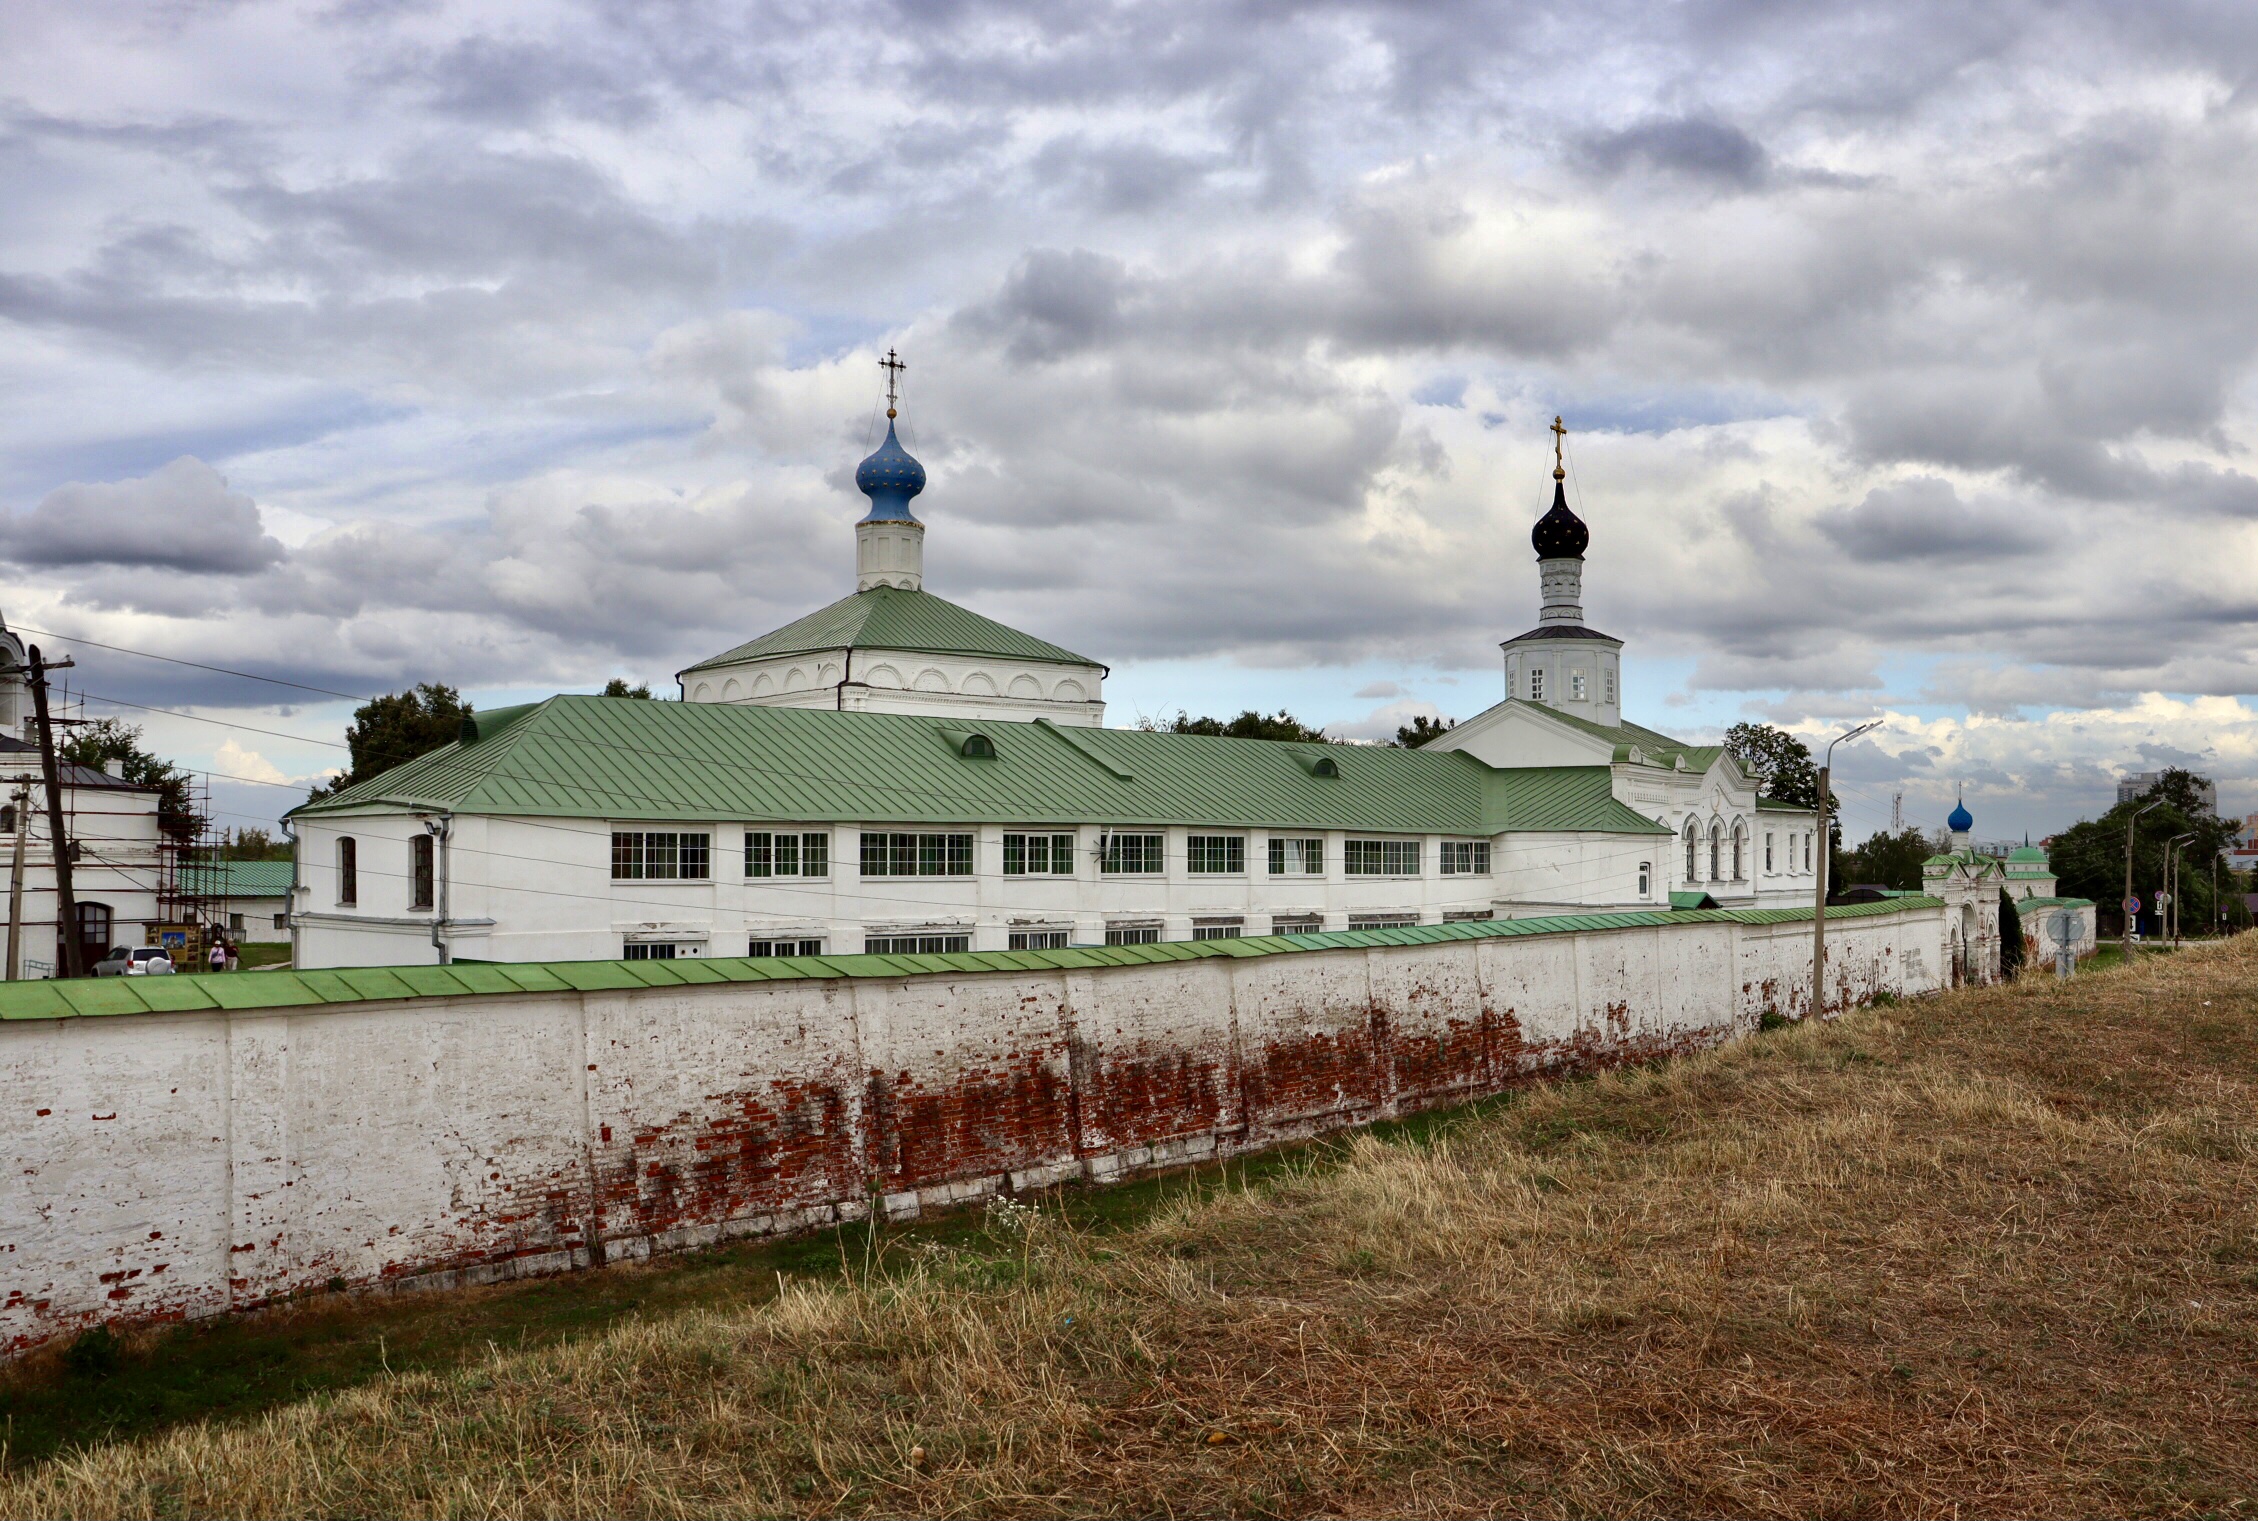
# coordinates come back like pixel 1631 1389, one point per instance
pixel 621 758
pixel 237 879
pixel 272 990
pixel 890 618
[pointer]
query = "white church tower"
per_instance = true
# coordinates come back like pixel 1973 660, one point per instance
pixel 894 647
pixel 1560 662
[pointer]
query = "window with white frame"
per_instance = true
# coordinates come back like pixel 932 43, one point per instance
pixel 1467 915
pixel 649 950
pixel 784 948
pixel 916 855
pixel 1768 850
pixel 1740 851
pixel 1646 879
pixel 1465 858
pixel 1807 852
pixel 1132 934
pixel 1216 854
pixel 1396 919
pixel 1380 858
pixel 1297 924
pixel 1218 929
pixel 1134 855
pixel 653 855
pixel 1716 851
pixel 1297 858
pixel 1576 685
pixel 1693 850
pixel 1037 940
pixel 1608 680
pixel 1038 855
pixel 787 853
pixel 348 871
pixel 1536 683
pixel 914 945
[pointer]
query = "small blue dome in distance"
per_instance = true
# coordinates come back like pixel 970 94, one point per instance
pixel 890 478
pixel 1960 820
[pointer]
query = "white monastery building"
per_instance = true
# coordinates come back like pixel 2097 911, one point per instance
pixel 117 864
pixel 894 773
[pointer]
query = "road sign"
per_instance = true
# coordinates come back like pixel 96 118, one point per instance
pixel 2132 905
pixel 2162 899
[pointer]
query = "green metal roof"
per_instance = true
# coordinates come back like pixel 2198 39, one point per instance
pixel 349 985
pixel 619 758
pixel 237 879
pixel 1656 746
pixel 889 618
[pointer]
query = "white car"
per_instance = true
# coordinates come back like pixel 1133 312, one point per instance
pixel 138 961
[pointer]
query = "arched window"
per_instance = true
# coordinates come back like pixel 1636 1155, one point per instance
pixel 1740 850
pixel 1716 850
pixel 1693 848
pixel 348 871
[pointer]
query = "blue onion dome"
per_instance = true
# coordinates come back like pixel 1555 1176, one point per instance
pixel 1560 534
pixel 1960 820
pixel 890 478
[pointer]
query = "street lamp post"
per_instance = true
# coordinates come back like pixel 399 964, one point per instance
pixel 1826 862
pixel 2170 923
pixel 2127 942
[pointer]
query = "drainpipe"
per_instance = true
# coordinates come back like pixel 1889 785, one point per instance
pixel 441 830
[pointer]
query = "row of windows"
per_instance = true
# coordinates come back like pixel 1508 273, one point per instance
pixel 1732 849
pixel 686 856
pixel 1117 932
pixel 1578 688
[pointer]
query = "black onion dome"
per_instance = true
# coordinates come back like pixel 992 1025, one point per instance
pixel 1560 534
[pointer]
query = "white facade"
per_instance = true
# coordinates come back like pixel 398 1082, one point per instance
pixel 543 889
pixel 908 681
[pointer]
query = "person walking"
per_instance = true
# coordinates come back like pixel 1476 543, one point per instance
pixel 234 957
pixel 218 957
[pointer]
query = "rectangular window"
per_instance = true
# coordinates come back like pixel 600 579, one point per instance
pixel 1646 879
pixel 914 945
pixel 646 950
pixel 1297 858
pixel 1467 916
pixel 1134 855
pixel 1217 854
pixel 1465 858
pixel 916 855
pixel 419 872
pixel 784 948
pixel 1037 940
pixel 1218 929
pixel 1536 683
pixel 348 872
pixel 1399 920
pixel 1768 850
pixel 1608 681
pixel 1807 859
pixel 1038 855
pixel 1380 858
pixel 1297 924
pixel 1132 934
pixel 660 856
pixel 1576 686
pixel 783 853
pixel 282 921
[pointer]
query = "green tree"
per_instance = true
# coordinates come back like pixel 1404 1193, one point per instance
pixel 1778 762
pixel 618 687
pixel 113 739
pixel 254 844
pixel 1248 725
pixel 1888 860
pixel 393 730
pixel 2089 857
pixel 1421 729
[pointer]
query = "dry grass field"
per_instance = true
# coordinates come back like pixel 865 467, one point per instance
pixel 1989 1254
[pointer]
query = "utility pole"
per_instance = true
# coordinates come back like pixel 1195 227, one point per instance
pixel 1826 860
pixel 2172 887
pixel 16 884
pixel 66 903
pixel 1897 813
pixel 2127 904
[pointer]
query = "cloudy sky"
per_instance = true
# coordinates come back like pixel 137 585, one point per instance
pixel 1908 350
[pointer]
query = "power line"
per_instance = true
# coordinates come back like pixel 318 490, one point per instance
pixel 198 665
